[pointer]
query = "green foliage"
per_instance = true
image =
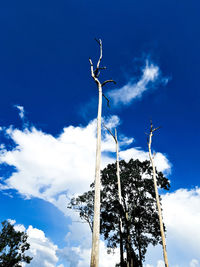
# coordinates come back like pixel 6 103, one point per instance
pixel 138 213
pixel 13 245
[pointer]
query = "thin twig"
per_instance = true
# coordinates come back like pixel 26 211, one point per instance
pixel 108 81
pixel 100 57
pixel 109 131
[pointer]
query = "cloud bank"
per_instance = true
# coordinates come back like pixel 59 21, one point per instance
pixel 48 167
pixel 51 168
pixel 151 76
pixel 42 250
pixel 181 214
pixel 54 168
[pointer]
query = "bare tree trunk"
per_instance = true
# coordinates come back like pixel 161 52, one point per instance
pixel 119 193
pixel 121 246
pixel 96 221
pixel 120 198
pixel 157 197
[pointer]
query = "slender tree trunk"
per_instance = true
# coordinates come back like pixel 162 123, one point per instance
pixel 121 246
pixel 96 222
pixel 120 199
pixel 140 256
pixel 157 200
pixel 139 250
pixel 139 246
pixel 119 193
pixel 130 262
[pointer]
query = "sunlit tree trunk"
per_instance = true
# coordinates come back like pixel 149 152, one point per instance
pixel 120 199
pixel 96 221
pixel 157 197
pixel 119 193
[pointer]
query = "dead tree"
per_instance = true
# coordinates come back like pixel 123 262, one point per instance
pixel 96 221
pixel 157 196
pixel 119 191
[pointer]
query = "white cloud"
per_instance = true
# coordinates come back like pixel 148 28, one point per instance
pixel 150 74
pixel 11 221
pixel 161 162
pixel 21 111
pixel 19 227
pixel 181 213
pixel 41 248
pixel 80 256
pixel 160 263
pixel 54 168
pixel 49 167
pixel 194 263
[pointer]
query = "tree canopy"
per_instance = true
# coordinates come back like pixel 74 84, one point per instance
pixel 13 245
pixel 138 212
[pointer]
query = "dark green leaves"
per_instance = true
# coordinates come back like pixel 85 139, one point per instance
pixel 13 245
pixel 138 213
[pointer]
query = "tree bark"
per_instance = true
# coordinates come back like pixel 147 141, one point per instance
pixel 120 199
pixel 157 199
pixel 96 221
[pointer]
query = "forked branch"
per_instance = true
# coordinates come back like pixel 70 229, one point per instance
pixel 96 72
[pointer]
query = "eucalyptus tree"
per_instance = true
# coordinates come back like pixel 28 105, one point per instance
pixel 13 246
pixel 96 219
pixel 150 135
pixel 138 211
pixel 119 190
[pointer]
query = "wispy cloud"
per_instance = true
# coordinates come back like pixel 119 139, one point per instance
pixel 151 76
pixel 21 111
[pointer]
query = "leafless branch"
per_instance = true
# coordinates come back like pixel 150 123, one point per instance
pixel 98 41
pixel 92 72
pixel 153 129
pixel 100 68
pixel 108 101
pixel 100 57
pixel 109 131
pixel 156 128
pixel 108 81
pixel 103 68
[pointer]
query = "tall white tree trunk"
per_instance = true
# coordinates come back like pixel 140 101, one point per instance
pixel 120 196
pixel 118 175
pixel 157 199
pixel 96 221
pixel 119 191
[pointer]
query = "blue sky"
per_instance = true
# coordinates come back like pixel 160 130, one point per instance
pixel 151 49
